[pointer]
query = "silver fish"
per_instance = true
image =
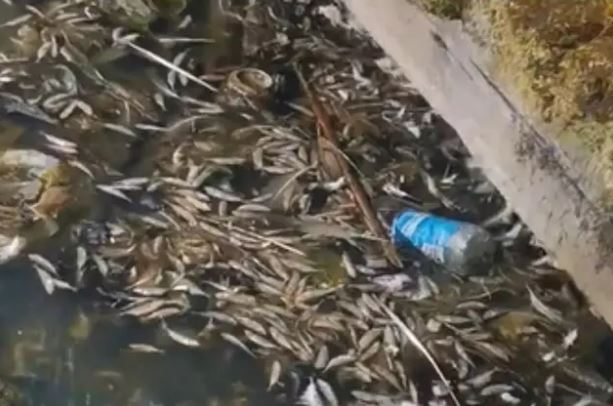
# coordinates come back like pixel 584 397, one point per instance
pixel 259 340
pixel 275 374
pixel 235 341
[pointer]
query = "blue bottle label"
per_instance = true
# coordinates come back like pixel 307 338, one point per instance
pixel 427 233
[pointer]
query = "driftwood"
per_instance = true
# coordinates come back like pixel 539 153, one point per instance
pixel 448 67
pixel 336 164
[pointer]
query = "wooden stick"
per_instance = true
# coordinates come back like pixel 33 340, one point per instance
pixel 327 142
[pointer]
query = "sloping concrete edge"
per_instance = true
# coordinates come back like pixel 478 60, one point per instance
pixel 447 67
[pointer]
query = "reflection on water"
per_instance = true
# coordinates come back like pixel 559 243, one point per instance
pixel 60 353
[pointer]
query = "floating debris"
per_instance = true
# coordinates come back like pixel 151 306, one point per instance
pixel 249 217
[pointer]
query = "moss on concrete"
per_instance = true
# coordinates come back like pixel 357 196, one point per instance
pixel 451 9
pixel 558 58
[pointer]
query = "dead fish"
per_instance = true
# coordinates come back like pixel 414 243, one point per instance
pixel 180 338
pixel 385 375
pixel 43 263
pixel 482 379
pixel 311 396
pixel 278 310
pixel 340 360
pixel 172 74
pixel 235 341
pixel 157 222
pixel 315 294
pixel 585 400
pixel 119 129
pixel 275 374
pixel 73 105
pixel 218 316
pixel 462 352
pixel 329 322
pixel 196 201
pixel 411 337
pixel 492 349
pixel 327 392
pixel 392 282
pixel 510 399
pixel 356 373
pixel 253 207
pixel 46 280
pixel 298 265
pixel 318 393
pixel 589 378
pixel 167 64
pixel 81 257
pixel 323 357
pixel 280 338
pixel 101 264
pixel 400 370
pixel 352 309
pixel 134 183
pixel 236 298
pixel 550 385
pixel 149 291
pixel 257 157
pixel 368 338
pixel 163 313
pixel 552 314
pixel 111 190
pixel 184 214
pixel 293 284
pixel 570 338
pixel 496 389
pixel 60 144
pixel 268 289
pixel 185 285
pixel 214 231
pixel 349 266
pixel 146 348
pixel 50 281
pixel 371 398
pixel 452 320
pixel 227 161
pixel 143 307
pixel 260 340
pixel 370 352
pixel 173 181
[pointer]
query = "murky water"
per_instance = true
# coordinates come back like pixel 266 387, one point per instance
pixel 71 349
pixel 63 350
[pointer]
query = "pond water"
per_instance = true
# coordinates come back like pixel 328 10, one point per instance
pixel 60 351
pixel 64 350
pixel 74 349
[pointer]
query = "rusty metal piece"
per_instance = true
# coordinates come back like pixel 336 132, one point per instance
pixel 246 87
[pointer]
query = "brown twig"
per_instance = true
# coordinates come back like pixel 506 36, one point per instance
pixel 327 145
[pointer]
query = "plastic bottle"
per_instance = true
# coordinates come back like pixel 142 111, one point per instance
pixel 461 247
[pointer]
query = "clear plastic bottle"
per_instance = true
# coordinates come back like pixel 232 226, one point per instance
pixel 461 247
